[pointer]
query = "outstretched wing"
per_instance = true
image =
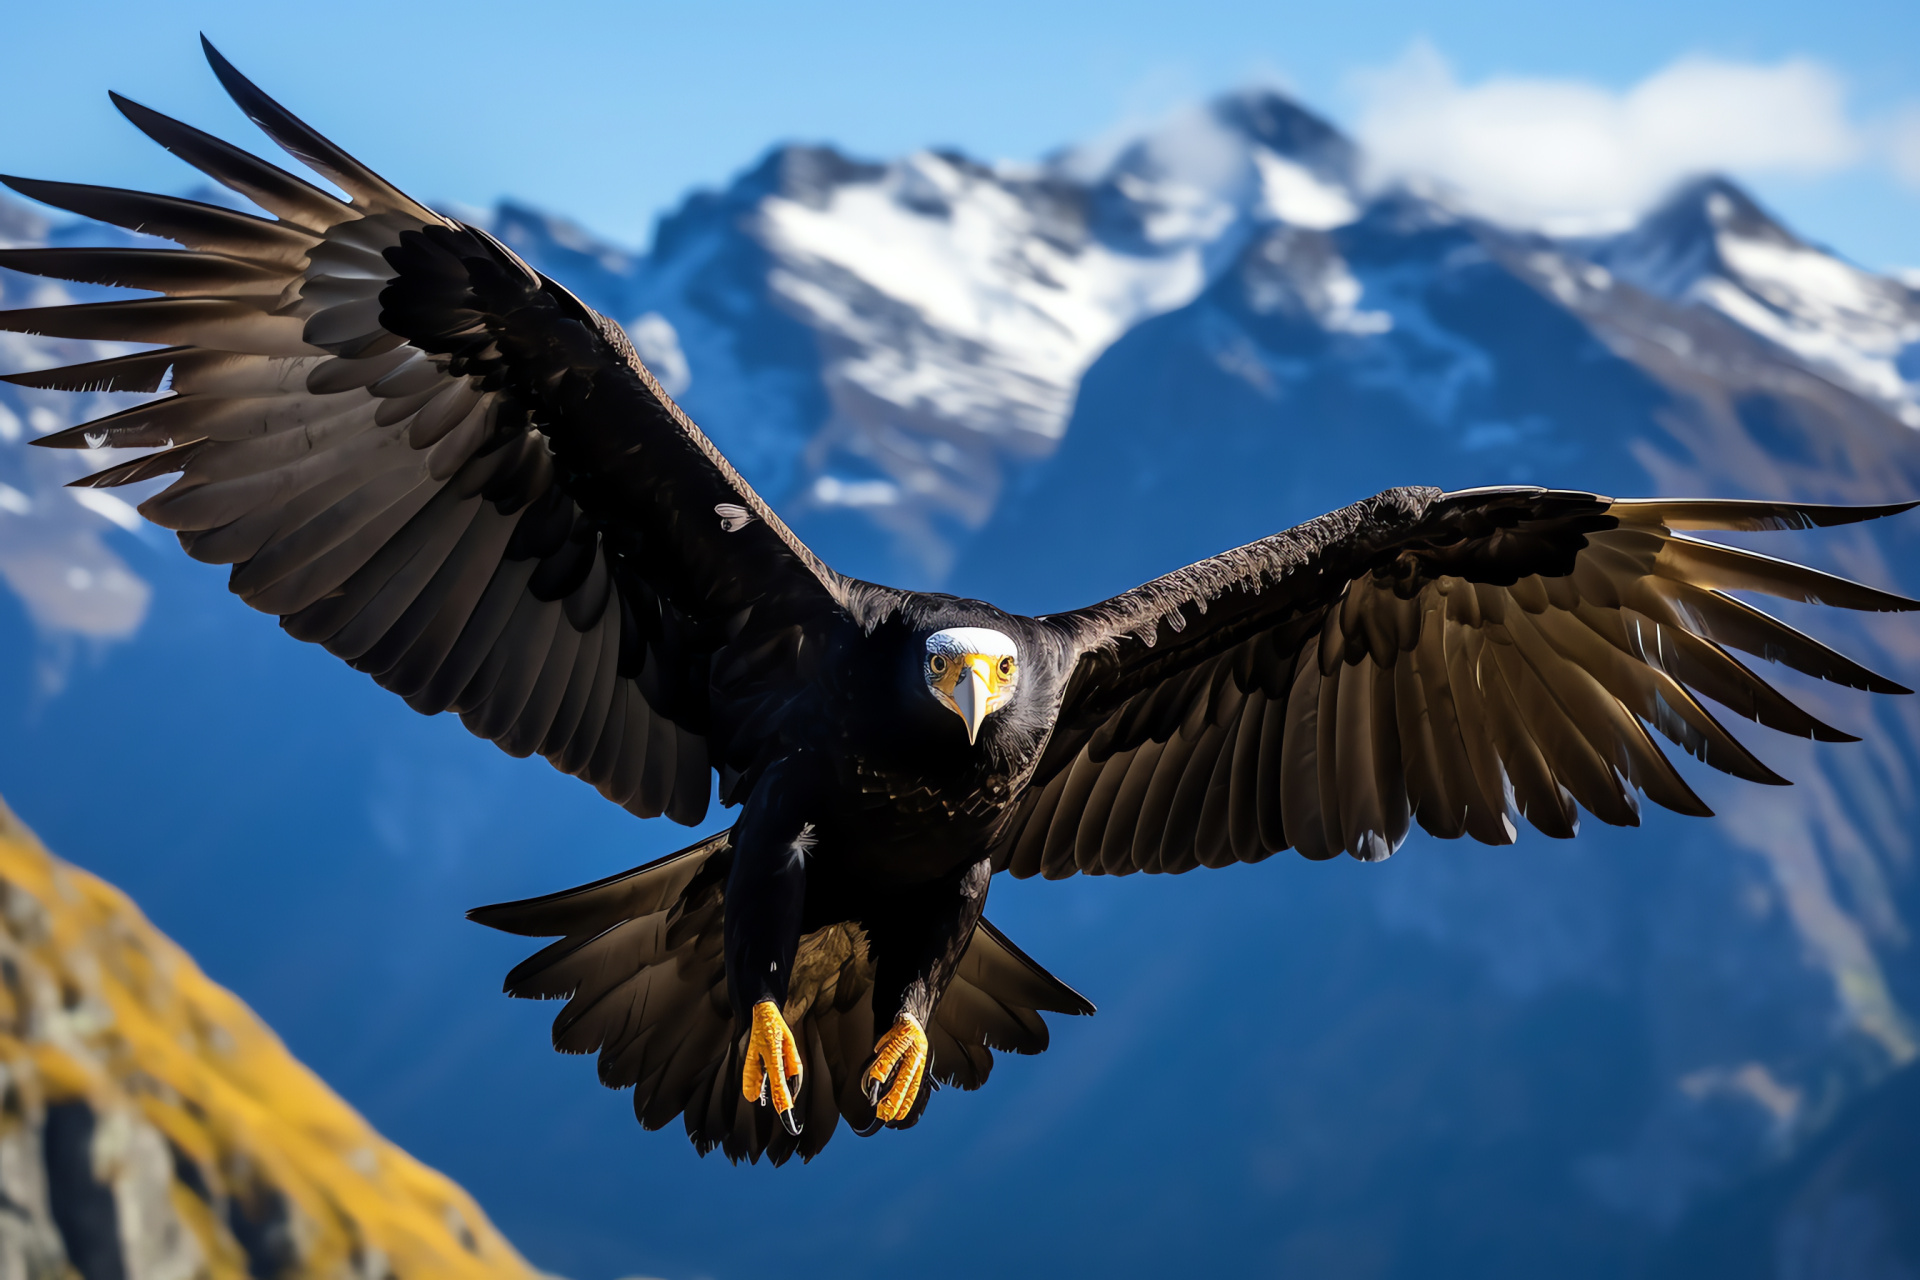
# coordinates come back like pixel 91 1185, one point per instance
pixel 422 454
pixel 640 965
pixel 1451 659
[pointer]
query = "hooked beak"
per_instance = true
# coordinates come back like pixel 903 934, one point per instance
pixel 970 695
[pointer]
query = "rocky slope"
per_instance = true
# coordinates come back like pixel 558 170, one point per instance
pixel 153 1128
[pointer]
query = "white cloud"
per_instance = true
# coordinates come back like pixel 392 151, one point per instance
pixel 1573 156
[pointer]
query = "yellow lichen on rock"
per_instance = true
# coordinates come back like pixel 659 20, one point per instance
pixel 146 1112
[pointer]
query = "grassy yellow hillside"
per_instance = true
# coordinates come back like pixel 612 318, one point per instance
pixel 152 1126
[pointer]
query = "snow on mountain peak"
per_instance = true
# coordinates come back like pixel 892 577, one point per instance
pixel 956 308
pixel 967 295
pixel 954 305
pixel 1292 193
pixel 54 549
pixel 1712 245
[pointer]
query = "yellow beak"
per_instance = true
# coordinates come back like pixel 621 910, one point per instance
pixel 971 692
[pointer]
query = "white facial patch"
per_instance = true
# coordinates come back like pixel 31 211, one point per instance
pixel 982 640
pixel 972 671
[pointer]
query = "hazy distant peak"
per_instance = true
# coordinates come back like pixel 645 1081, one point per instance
pixel 1276 121
pixel 1678 240
pixel 1711 244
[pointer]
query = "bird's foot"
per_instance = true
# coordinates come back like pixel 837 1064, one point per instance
pixel 902 1055
pixel 773 1059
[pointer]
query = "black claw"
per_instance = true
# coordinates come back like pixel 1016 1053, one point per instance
pixel 790 1121
pixel 874 1088
pixel 766 1090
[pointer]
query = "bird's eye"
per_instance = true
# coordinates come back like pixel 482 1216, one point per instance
pixel 1006 668
pixel 937 664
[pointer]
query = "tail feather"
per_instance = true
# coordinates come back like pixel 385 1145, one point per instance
pixel 639 961
pixel 641 891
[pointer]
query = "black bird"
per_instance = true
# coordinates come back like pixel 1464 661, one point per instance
pixel 426 456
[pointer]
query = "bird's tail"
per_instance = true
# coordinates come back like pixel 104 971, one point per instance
pixel 640 963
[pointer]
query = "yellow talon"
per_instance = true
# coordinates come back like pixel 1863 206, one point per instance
pixel 903 1047
pixel 773 1058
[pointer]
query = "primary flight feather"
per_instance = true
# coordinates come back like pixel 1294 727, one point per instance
pixel 422 454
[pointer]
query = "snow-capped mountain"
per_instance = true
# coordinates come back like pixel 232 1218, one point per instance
pixel 1712 246
pixel 1040 384
pixel 890 344
pixel 54 551
pixel 884 344
pixel 1753 972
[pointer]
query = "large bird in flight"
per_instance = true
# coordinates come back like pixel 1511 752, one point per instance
pixel 424 455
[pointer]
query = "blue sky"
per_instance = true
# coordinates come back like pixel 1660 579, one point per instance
pixel 609 112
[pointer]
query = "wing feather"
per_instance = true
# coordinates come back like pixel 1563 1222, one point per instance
pixel 1149 838
pixel 1537 788
pixel 542 706
pixel 415 449
pixel 174 272
pixel 1243 800
pixel 1056 857
pixel 278 192
pixel 1299 762
pixel 1123 821
pixel 1458 660
pixel 1569 757
pixel 315 559
pixel 1213 838
pixel 1363 808
pixel 1180 848
pixel 1437 804
pixel 185 222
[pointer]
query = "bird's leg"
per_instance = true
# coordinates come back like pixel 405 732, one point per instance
pixel 916 947
pixel 773 1059
pixel 900 1056
pixel 766 889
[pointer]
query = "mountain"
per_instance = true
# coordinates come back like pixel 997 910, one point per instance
pixel 1714 248
pixel 1834 1209
pixel 886 343
pixel 151 1126
pixel 1637 1022
pixel 54 544
pixel 1041 384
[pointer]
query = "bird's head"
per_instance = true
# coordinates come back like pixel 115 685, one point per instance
pixel 972 671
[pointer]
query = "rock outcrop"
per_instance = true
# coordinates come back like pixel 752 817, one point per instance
pixel 152 1127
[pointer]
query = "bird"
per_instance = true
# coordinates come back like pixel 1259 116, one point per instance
pixel 425 456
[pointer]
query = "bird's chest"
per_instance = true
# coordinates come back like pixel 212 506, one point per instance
pixel 916 796
pixel 912 796
pixel 918 817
